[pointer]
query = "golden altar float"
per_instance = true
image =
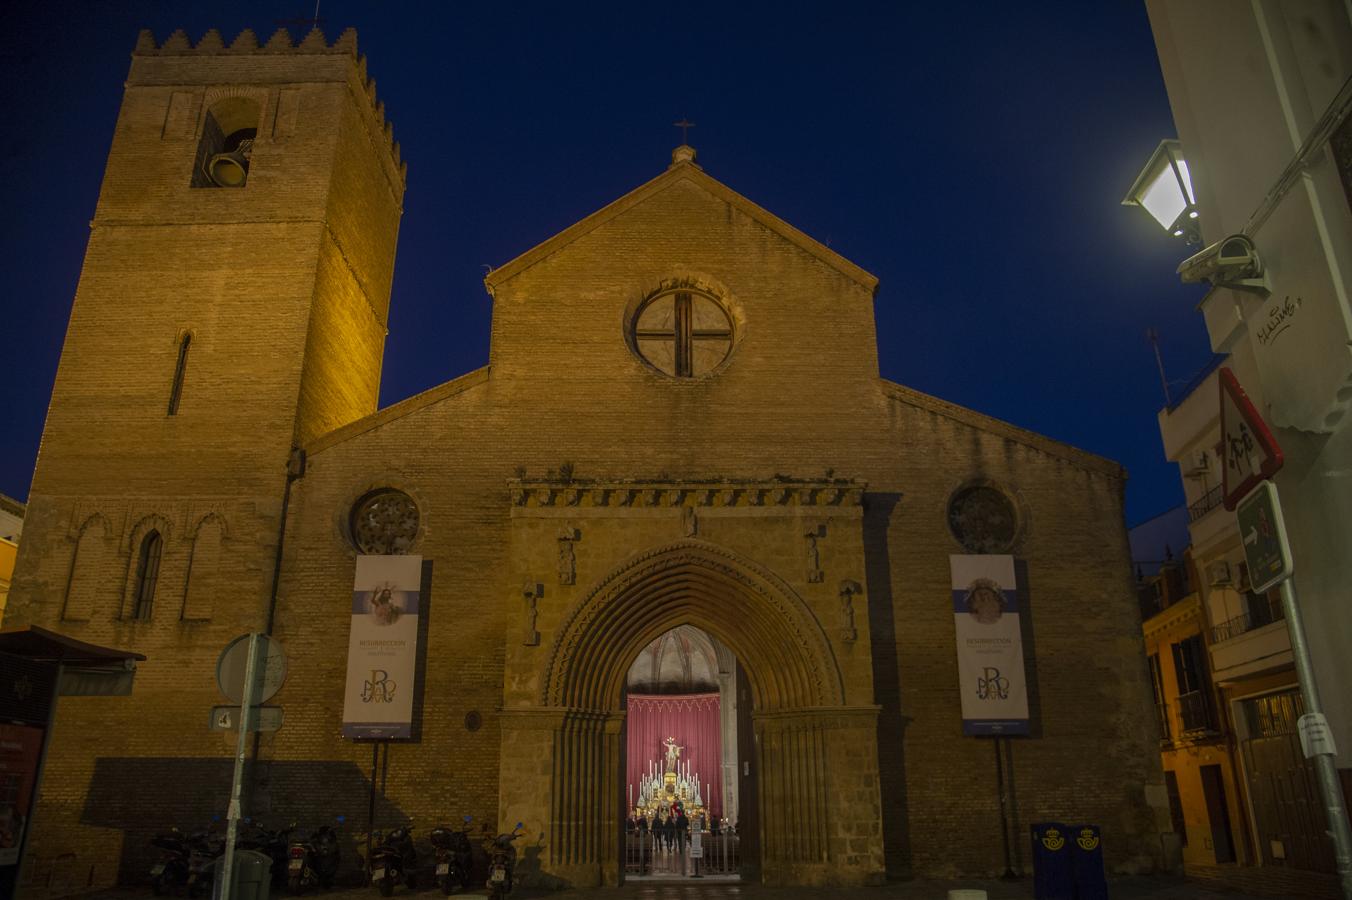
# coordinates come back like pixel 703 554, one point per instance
pixel 659 790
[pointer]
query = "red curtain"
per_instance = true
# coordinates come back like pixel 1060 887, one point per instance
pixel 692 719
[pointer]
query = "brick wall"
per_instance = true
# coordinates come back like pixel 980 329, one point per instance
pixel 296 352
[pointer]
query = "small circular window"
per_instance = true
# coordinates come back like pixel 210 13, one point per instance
pixel 384 522
pixel 983 519
pixel 683 333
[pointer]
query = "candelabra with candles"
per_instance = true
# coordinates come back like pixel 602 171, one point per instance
pixel 659 790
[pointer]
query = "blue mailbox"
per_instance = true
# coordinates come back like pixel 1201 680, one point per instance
pixel 1053 877
pixel 1086 859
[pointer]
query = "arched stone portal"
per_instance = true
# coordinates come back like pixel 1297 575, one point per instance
pixel 816 748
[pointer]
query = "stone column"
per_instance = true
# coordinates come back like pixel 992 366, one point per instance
pixel 819 799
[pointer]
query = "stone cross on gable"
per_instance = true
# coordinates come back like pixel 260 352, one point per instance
pixel 685 127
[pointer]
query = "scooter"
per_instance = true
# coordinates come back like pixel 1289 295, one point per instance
pixel 453 856
pixel 186 862
pixel 204 848
pixel 394 859
pixel 171 871
pixel 501 863
pixel 313 862
pixel 274 844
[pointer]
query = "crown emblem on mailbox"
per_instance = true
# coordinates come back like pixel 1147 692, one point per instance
pixel 1052 840
pixel 1087 839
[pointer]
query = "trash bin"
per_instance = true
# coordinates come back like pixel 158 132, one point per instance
pixel 1086 861
pixel 253 876
pixel 1052 874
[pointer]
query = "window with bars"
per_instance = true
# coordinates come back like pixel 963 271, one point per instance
pixel 1194 694
pixel 147 573
pixel 1176 806
pixel 1157 687
pixel 683 333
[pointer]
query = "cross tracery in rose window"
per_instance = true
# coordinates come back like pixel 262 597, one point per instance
pixel 683 333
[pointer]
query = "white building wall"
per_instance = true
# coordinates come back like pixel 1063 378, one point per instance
pixel 1249 84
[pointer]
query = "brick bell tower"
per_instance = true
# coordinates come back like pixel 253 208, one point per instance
pixel 232 305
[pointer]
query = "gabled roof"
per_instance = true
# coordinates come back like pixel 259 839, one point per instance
pixel 683 169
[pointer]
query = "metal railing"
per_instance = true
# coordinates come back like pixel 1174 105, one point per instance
pixel 1209 501
pixel 649 854
pixel 1264 612
pixel 1194 709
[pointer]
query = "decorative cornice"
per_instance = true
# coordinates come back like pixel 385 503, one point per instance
pixel 670 493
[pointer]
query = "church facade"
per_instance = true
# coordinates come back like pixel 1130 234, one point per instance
pixel 682 425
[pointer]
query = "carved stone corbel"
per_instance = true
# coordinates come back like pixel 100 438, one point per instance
pixel 568 535
pixel 532 592
pixel 848 590
pixel 814 532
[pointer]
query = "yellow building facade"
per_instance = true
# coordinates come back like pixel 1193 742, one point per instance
pixel 682 424
pixel 1206 804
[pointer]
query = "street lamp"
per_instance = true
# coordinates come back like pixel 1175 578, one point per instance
pixel 1164 189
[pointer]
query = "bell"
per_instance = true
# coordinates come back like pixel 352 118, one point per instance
pixel 231 169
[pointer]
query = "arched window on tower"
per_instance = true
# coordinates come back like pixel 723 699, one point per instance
pixel 177 390
pixel 147 573
pixel 226 147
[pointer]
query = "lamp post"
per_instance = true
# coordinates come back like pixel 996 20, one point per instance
pixel 1164 189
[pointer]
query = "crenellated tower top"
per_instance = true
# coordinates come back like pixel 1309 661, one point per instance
pixel 153 62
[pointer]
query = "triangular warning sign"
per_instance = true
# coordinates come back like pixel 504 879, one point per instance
pixel 1249 452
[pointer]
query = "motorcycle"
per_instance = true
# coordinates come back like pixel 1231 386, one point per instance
pixel 453 856
pixel 501 863
pixel 171 871
pixel 394 859
pixel 274 844
pixel 313 861
pixel 186 862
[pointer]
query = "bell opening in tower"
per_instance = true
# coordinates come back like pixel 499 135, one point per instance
pixel 681 759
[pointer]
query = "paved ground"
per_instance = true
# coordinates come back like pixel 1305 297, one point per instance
pixel 1119 889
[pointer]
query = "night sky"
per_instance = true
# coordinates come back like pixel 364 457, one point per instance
pixel 971 155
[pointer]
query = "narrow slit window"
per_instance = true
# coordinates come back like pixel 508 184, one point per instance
pixel 147 573
pixel 176 392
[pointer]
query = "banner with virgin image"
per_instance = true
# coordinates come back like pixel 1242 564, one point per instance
pixel 990 645
pixel 382 649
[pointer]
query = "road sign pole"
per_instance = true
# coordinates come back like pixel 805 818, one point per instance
pixel 246 721
pixel 1325 768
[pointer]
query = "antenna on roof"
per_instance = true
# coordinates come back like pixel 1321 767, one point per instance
pixel 1153 337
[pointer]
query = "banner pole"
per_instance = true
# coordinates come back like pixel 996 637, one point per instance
pixel 371 807
pixel 1004 809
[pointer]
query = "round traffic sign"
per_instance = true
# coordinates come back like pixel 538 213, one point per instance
pixel 234 660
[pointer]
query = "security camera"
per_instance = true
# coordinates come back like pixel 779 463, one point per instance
pixel 1231 263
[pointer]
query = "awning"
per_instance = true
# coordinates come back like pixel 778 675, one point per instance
pixel 40 645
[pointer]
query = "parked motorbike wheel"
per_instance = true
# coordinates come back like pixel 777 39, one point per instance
pixel 449 884
pixel 295 885
pixel 385 886
pixel 158 885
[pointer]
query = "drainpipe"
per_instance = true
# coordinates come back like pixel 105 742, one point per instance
pixel 295 470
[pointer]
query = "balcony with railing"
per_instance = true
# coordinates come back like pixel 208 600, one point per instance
pixel 1264 611
pixel 1162 714
pixel 1195 713
pixel 1206 503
